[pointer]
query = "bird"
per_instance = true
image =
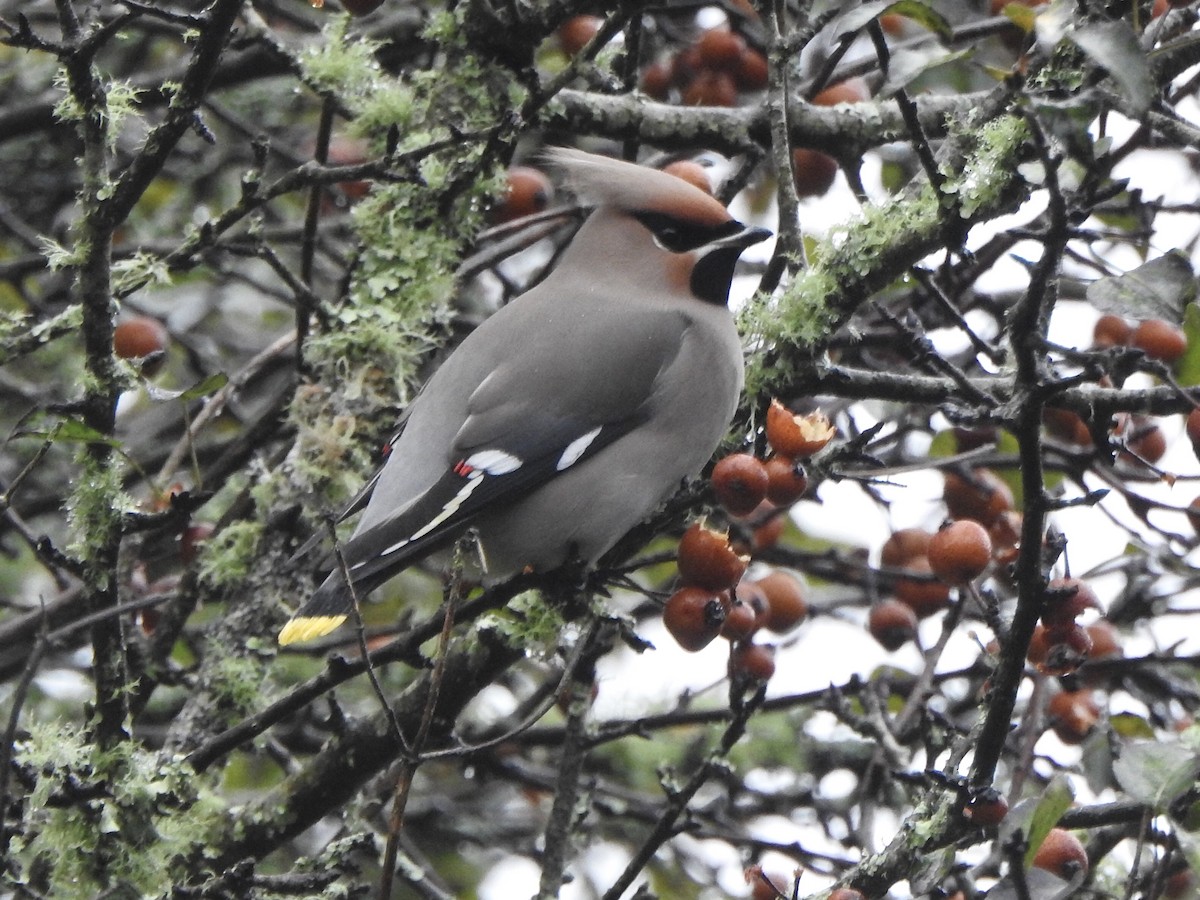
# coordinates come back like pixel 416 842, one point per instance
pixel 572 412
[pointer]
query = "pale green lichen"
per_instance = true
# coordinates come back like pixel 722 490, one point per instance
pixel 844 267
pixel 152 816
pixel 988 171
pixel 95 508
pixel 229 554
pixel 529 622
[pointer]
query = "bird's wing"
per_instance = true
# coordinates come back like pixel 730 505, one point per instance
pixel 509 444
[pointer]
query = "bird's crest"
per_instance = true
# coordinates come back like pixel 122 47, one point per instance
pixel 604 181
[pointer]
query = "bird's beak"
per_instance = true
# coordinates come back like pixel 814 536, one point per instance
pixel 741 239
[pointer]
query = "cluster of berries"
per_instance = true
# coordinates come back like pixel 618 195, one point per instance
pixel 715 599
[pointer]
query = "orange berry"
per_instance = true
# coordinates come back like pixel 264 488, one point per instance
pixel 960 551
pixel 769 532
pixel 926 596
pixel 813 172
pixel 1005 533
pixel 903 545
pixel 1061 853
pixel 740 483
pixel 694 617
pixel 892 623
pixel 844 893
pixel 786 480
pixel 852 90
pixel 982 497
pixel 1111 331
pixel 692 172
pixel 706 559
pixel 797 435
pixel 892 23
pixel 575 33
pixel 1159 340
pixel 785 596
pixel 1073 715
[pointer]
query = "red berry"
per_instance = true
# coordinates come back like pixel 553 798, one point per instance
pixel 752 662
pixel 813 172
pixel 192 539
pixel 982 497
pixel 986 808
pixel 926 596
pixel 138 337
pixel 752 70
pixel 1066 426
pixel 767 886
pixel 656 80
pixel 721 49
pixel 960 551
pixel 691 172
pixel 694 617
pixel 852 90
pixel 1061 853
pixel 1193 429
pixel 1159 340
pixel 1073 715
pixel 711 88
pixel 1146 441
pixel 749 593
pixel 786 481
pixel 844 893
pixel 740 483
pixel 706 559
pixel 575 33
pixel 1111 331
pixel 1105 639
pixel 785 596
pixel 1066 598
pixel 526 191
pixel 740 622
pixel 797 436
pixel 903 545
pixel 892 623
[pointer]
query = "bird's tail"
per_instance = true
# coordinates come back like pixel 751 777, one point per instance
pixel 329 606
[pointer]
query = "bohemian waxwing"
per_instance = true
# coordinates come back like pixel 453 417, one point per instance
pixel 571 413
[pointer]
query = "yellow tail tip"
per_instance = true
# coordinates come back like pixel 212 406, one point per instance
pixel 306 628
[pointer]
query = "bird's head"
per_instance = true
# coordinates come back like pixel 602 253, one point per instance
pixel 654 227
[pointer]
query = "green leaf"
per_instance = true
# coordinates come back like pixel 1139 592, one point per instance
pixel 922 14
pixel 205 388
pixel 1159 289
pixel 71 431
pixel 1187 370
pixel 1154 773
pixel 1056 799
pixel 1128 725
pixel 1114 47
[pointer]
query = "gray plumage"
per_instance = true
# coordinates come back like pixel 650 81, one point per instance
pixel 571 413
